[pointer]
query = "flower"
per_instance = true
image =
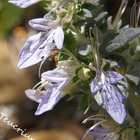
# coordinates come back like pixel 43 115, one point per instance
pixel 23 3
pixel 109 131
pixel 111 96
pixel 39 46
pixel 53 82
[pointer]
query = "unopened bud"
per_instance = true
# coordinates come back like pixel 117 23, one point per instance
pixel 66 20
pixel 84 74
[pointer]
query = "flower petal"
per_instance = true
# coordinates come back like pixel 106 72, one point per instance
pixel 23 3
pixel 98 132
pixel 113 104
pixel 40 23
pixel 31 94
pixel 113 77
pixel 54 76
pixel 33 50
pixel 59 37
pixel 48 101
pixel 95 85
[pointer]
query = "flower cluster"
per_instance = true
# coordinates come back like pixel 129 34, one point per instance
pixel 95 56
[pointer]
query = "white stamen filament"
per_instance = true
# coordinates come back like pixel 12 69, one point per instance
pixel 71 55
pixel 119 13
pixel 91 128
pixel 92 117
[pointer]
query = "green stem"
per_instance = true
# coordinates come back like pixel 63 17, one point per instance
pixel 71 55
pixel 119 13
pixel 79 34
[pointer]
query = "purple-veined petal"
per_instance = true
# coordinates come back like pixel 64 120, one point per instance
pixel 65 82
pixel 117 93
pixel 40 23
pixel 95 85
pixel 23 3
pixel 98 132
pixel 48 101
pixel 31 94
pixel 59 37
pixel 33 50
pixel 113 77
pixel 54 76
pixel 112 103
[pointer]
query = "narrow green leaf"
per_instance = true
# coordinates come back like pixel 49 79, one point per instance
pixel 83 101
pixel 134 100
pixel 134 75
pixel 130 108
pixel 84 50
pixel 120 39
pixel 137 118
pixel 97 20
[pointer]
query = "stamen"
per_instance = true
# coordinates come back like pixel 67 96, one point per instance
pixel 134 15
pixel 119 13
pixel 71 55
pixel 44 59
pixel 91 128
pixel 92 118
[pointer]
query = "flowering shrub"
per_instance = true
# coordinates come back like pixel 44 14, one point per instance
pixel 97 59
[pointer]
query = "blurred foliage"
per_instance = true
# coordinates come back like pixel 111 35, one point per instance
pixel 10 17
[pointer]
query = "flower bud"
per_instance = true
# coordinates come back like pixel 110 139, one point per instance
pixel 66 20
pixel 61 13
pixel 84 74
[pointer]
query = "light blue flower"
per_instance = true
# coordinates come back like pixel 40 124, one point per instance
pixel 48 98
pixel 108 130
pixel 53 83
pixel 23 3
pixel 111 97
pixel 39 46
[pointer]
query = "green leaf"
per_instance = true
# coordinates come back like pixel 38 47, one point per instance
pixel 84 49
pixel 76 92
pixel 132 48
pixel 120 39
pixel 134 100
pixel 107 65
pixel 136 89
pixel 123 87
pixel 70 44
pixel 97 20
pixel 74 79
pixel 134 75
pixel 130 108
pixel 80 23
pixel 98 98
pixel 92 6
pixel 136 56
pixel 137 118
pixel 86 13
pixel 105 38
pixel 121 64
pixel 83 101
